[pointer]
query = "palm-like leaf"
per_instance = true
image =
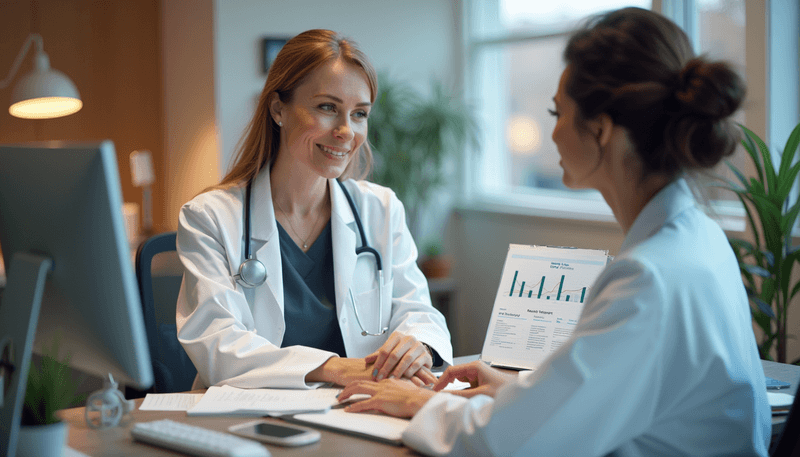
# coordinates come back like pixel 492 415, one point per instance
pixel 766 263
pixel 413 136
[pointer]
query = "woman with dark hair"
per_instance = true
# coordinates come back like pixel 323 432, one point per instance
pixel 298 271
pixel 663 360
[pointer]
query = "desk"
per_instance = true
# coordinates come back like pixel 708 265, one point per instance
pixel 118 442
pixel 782 372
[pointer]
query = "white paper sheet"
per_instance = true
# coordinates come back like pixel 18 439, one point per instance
pixel 780 400
pixel 169 402
pixel 540 298
pixel 260 402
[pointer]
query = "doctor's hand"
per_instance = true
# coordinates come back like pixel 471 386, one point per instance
pixel 482 378
pixel 341 371
pixel 394 397
pixel 402 356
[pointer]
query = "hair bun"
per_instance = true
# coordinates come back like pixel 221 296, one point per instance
pixel 709 89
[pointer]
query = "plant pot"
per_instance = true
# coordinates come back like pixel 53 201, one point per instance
pixel 436 267
pixel 42 440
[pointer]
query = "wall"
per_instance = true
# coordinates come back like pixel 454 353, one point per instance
pixel 110 51
pixel 191 150
pixel 478 241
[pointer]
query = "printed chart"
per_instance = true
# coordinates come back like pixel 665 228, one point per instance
pixel 540 298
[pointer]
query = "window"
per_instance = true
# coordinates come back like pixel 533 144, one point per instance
pixel 513 50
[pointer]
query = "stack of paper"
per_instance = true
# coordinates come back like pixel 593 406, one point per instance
pixel 262 402
pixel 780 402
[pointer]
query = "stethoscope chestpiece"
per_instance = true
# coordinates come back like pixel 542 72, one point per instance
pixel 252 273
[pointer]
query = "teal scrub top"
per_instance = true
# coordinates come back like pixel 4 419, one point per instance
pixel 309 294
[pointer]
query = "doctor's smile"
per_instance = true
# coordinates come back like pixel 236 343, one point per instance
pixel 336 153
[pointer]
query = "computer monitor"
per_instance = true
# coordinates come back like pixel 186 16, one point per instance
pixel 65 247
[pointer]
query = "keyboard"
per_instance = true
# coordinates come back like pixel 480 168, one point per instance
pixel 197 441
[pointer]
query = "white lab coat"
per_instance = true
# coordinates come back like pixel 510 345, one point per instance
pixel 233 335
pixel 663 361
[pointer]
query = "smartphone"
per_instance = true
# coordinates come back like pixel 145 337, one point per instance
pixel 274 433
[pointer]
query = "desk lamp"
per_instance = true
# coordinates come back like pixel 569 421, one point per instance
pixel 44 93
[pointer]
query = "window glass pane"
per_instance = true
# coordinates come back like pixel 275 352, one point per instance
pixel 519 15
pixel 516 48
pixel 524 80
pixel 515 78
pixel 721 30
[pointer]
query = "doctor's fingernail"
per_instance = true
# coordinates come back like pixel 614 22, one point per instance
pixel 380 376
pixel 391 377
pixel 374 372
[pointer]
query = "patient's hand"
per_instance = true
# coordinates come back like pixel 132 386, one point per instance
pixel 391 396
pixel 483 379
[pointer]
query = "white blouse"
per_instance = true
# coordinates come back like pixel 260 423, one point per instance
pixel 663 361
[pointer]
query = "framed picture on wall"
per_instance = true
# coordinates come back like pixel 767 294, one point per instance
pixel 270 47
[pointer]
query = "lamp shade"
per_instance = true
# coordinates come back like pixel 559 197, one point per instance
pixel 44 93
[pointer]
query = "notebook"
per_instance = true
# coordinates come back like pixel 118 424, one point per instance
pixel 377 427
pixel 539 300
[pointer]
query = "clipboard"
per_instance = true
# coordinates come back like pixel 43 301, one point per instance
pixel 540 297
pixel 377 427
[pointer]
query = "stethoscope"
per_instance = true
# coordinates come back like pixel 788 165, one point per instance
pixel 253 273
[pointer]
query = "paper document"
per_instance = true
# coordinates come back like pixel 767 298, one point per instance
pixel 169 402
pixel 260 402
pixel 540 298
pixel 780 401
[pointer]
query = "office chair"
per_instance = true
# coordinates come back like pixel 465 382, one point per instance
pixel 789 442
pixel 160 273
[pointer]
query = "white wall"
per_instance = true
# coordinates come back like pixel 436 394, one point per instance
pixel 412 39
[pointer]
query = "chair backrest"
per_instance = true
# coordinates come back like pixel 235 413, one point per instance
pixel 159 272
pixel 789 442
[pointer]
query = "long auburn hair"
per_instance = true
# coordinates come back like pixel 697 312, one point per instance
pixel 297 59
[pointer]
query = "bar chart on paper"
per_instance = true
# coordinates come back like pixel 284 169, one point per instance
pixel 541 295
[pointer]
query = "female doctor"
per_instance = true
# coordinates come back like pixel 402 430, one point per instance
pixel 663 361
pixel 295 273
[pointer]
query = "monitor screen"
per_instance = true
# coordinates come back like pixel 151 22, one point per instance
pixel 63 201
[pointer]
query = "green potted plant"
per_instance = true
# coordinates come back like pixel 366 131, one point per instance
pixel 766 262
pixel 434 263
pixel 50 388
pixel 413 137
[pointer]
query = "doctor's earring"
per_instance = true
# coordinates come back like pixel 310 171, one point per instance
pixel 280 124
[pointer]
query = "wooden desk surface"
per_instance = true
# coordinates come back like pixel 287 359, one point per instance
pixel 118 442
